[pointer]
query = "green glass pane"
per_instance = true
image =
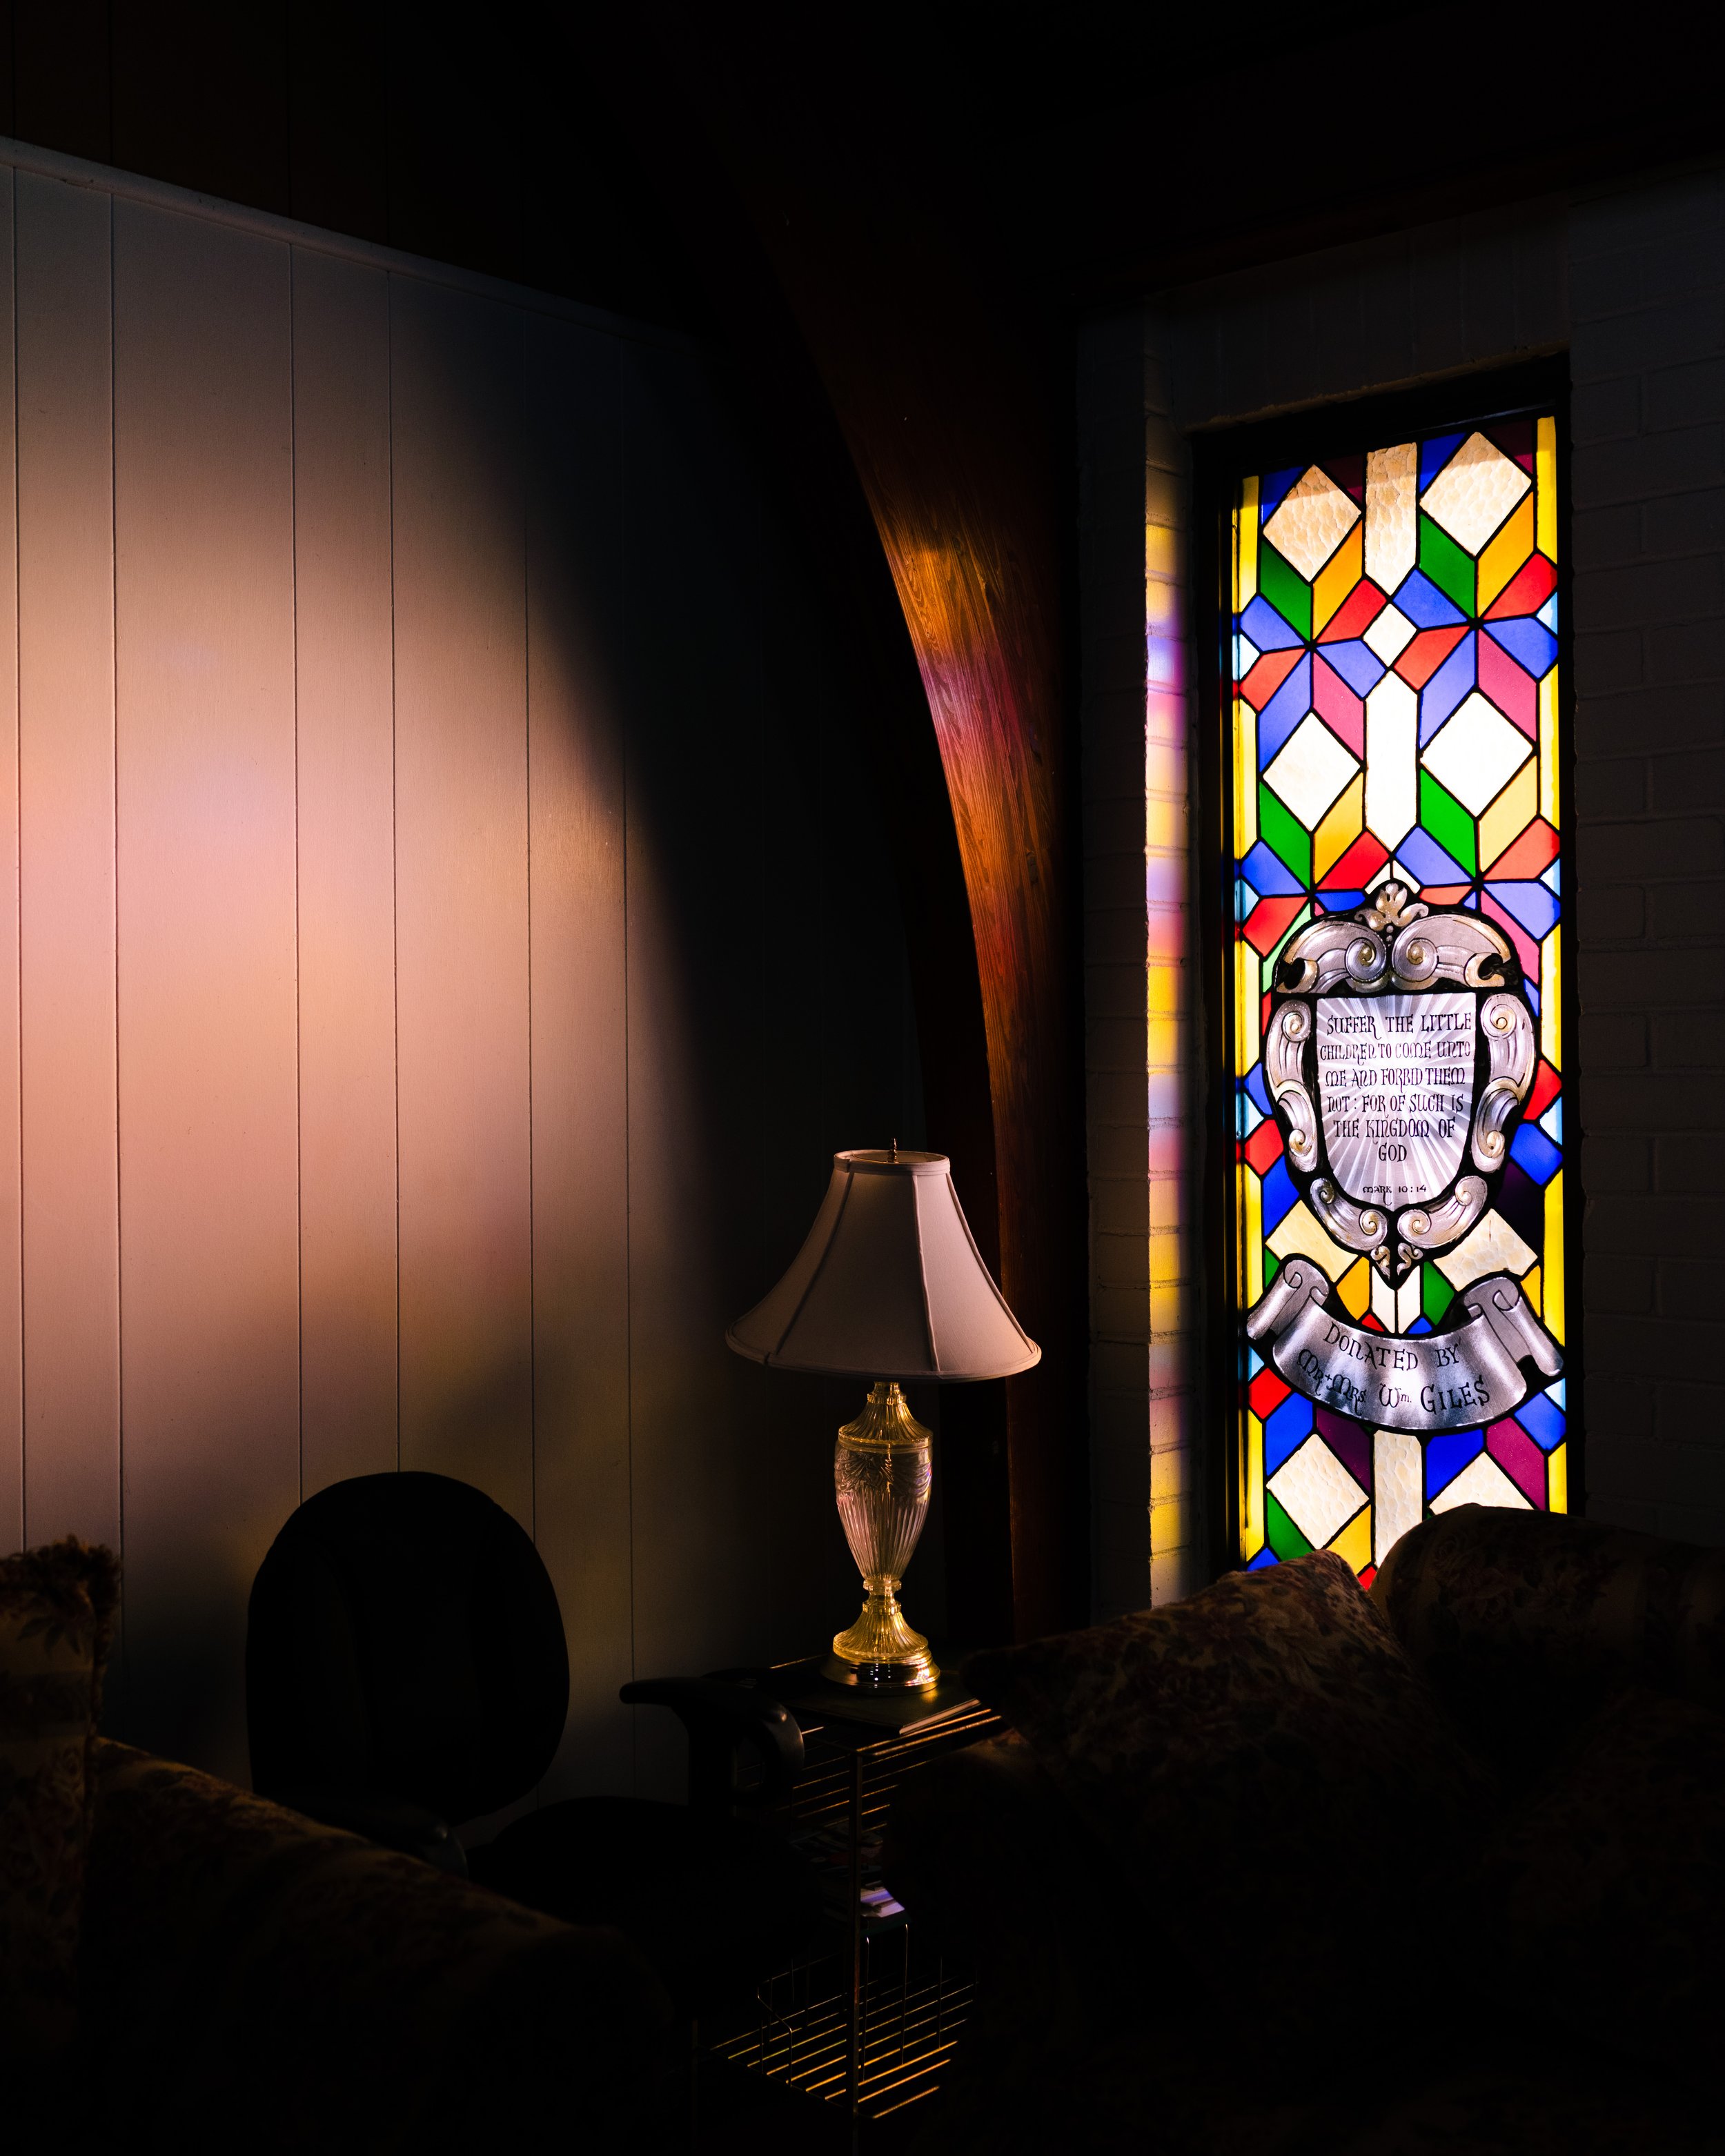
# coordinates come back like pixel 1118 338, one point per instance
pixel 1286 836
pixel 1448 822
pixel 1450 567
pixel 1435 1294
pixel 1272 1266
pixel 1285 589
pixel 1284 1538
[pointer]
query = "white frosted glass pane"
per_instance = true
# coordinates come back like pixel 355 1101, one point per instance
pixel 1311 771
pixel 1493 1247
pixel 1475 491
pixel 1392 480
pixel 1299 1231
pixel 1313 518
pixel 1390 634
pixel 1392 745
pixel 1476 753
pixel 1316 1491
pixel 1397 1468
pixel 1482 1482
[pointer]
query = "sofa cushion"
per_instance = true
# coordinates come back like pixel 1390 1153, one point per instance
pixel 1274 1778
pixel 56 1622
pixel 251 1979
pixel 1602 1901
pixel 1526 1623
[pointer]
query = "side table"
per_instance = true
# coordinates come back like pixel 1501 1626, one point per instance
pixel 869 2018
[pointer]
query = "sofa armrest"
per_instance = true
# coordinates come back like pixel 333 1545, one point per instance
pixel 249 1978
pixel 391 1822
pixel 982 1849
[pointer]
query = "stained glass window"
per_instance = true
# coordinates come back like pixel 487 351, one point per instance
pixel 1398 1222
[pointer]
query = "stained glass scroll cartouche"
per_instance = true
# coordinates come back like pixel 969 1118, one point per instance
pixel 1397 991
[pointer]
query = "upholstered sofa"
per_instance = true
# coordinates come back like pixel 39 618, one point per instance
pixel 184 1965
pixel 1286 1868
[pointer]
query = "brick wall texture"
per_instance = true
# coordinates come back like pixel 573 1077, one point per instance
pixel 1632 284
pixel 1647 365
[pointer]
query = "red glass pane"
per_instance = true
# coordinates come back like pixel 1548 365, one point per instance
pixel 1426 653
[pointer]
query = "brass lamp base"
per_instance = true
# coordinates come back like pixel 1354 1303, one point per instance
pixel 882 1472
pixel 882 1676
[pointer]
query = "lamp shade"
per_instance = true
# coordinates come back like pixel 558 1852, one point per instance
pixel 889 1284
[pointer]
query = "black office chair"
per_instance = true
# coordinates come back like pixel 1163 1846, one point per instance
pixel 406 1673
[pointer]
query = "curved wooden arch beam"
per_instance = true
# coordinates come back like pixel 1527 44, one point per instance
pixel 940 404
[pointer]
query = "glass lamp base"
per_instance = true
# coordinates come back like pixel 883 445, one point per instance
pixel 881 1472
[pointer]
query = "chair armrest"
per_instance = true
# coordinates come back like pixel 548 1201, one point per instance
pixel 390 1821
pixel 247 1973
pixel 719 1715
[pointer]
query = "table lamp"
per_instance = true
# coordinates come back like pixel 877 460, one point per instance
pixel 888 1286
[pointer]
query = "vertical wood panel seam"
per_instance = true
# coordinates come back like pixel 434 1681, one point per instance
pixel 23 1457
pixel 528 802
pixel 394 841
pixel 628 1282
pixel 114 645
pixel 298 1054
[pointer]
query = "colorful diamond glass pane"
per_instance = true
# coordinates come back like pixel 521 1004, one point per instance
pixel 1394 649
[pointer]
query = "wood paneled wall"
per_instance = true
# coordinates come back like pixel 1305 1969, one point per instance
pixel 444 959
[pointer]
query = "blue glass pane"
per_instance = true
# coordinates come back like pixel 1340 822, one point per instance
pixel 1287 1430
pixel 1279 1194
pixel 1531 904
pixel 1266 1558
pixel 1259 1090
pixel 1266 628
pixel 1544 1420
pixel 1421 853
pixel 1531 1150
pixel 1434 454
pixel 1245 899
pixel 1424 604
pixel 1358 664
pixel 1284 712
pixel 1447 1453
pixel 1445 689
pixel 1529 642
pixel 1270 875
pixel 1247 1114
pixel 1272 487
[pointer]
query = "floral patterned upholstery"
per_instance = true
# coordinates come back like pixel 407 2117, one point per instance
pixel 1200 1745
pixel 1554 1992
pixel 264 1982
pixel 1528 1622
pixel 184 1965
pixel 56 1625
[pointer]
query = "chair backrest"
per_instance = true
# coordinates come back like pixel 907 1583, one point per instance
pixel 404 1639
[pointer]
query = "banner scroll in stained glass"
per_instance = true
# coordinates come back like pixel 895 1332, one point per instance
pixel 1394 722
